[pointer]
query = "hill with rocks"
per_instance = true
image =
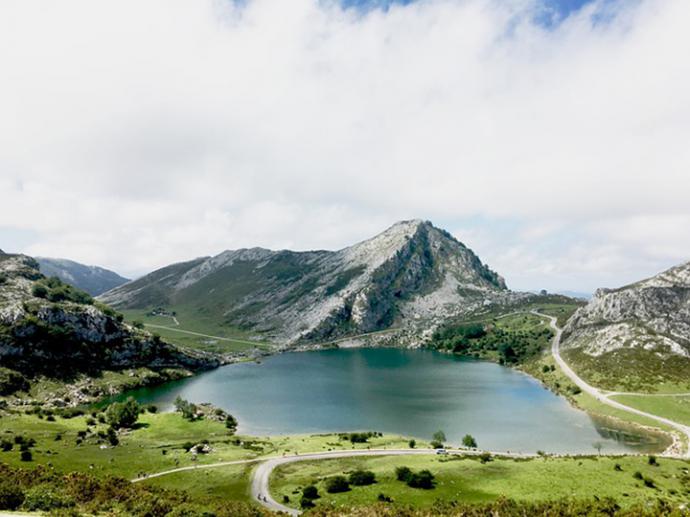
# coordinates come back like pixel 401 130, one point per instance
pixel 411 275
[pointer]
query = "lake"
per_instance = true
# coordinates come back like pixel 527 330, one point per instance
pixel 408 392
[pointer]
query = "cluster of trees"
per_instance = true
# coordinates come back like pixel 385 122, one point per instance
pixel 423 479
pixel 24 444
pixel 55 290
pixel 188 409
pixel 510 346
pixel 123 414
pixel 362 437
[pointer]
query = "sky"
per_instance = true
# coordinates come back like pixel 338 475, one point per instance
pixel 550 136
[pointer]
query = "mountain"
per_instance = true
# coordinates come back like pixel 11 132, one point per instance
pixel 638 334
pixel 411 273
pixel 51 329
pixel 92 279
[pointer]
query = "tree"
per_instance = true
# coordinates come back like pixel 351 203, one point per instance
pixel 403 473
pixel 439 436
pixel 337 484
pixel 185 407
pixel 362 478
pixel 412 443
pixel 231 423
pixel 422 479
pixel 310 492
pixel 40 291
pixel 469 441
pixel 122 414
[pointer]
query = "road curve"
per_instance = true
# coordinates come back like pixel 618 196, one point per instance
pixel 261 477
pixel 600 395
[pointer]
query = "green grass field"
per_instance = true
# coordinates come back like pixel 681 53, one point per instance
pixel 468 480
pixel 674 408
pixel 233 339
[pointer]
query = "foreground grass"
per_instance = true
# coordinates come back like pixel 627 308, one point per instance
pixel 156 444
pixel 468 480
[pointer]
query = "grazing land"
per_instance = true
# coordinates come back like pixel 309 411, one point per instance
pixel 467 479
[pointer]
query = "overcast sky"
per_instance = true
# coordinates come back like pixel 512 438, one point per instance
pixel 552 138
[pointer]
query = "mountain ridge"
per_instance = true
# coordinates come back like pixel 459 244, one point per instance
pixel 94 280
pixel 412 270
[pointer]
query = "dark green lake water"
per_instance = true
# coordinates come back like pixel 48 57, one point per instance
pixel 409 392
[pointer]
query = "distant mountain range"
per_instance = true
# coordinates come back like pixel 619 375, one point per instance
pixel 92 279
pixel 412 273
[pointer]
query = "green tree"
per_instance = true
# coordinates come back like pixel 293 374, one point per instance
pixel 469 441
pixel 439 436
pixel 310 492
pixel 185 407
pixel 122 414
pixel 412 443
pixel 422 479
pixel 403 473
pixel 362 478
pixel 337 484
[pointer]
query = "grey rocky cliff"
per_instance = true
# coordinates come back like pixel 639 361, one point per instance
pixel 653 315
pixel 42 337
pixel 411 274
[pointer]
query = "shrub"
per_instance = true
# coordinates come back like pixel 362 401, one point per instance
pixel 436 445
pixel 337 484
pixel 286 499
pixel 412 444
pixel 11 496
pixel 617 467
pixel 151 408
pixel 648 482
pixel 362 478
pixel 403 474
pixel 310 492
pixel 638 475
pixel 6 445
pixel 652 460
pixel 231 423
pixel 422 479
pixel 122 414
pixel 46 498
pixel 40 291
pixel 306 503
pixel 485 457
pixel 26 455
pixel 384 498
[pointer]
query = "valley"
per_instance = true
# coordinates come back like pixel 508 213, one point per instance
pixel 393 339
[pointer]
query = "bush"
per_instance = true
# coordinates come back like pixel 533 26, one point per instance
pixel 151 408
pixel 306 503
pixel 40 291
pixel 422 479
pixel 122 414
pixel 403 474
pixel 337 484
pixel 6 445
pixel 11 496
pixel 310 492
pixel 26 455
pixel 46 498
pixel 638 475
pixel 362 478
pixel 384 498
pixel 485 457
pixel 412 444
pixel 652 460
pixel 231 423
pixel 436 445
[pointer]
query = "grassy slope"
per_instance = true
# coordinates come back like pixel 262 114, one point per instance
pixel 675 408
pixel 193 322
pixel 468 480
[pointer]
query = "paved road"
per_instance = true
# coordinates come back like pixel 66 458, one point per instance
pixel 262 474
pixel 604 396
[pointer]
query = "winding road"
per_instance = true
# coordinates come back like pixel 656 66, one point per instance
pixel 600 395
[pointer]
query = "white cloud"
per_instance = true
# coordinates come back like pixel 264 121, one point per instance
pixel 135 134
